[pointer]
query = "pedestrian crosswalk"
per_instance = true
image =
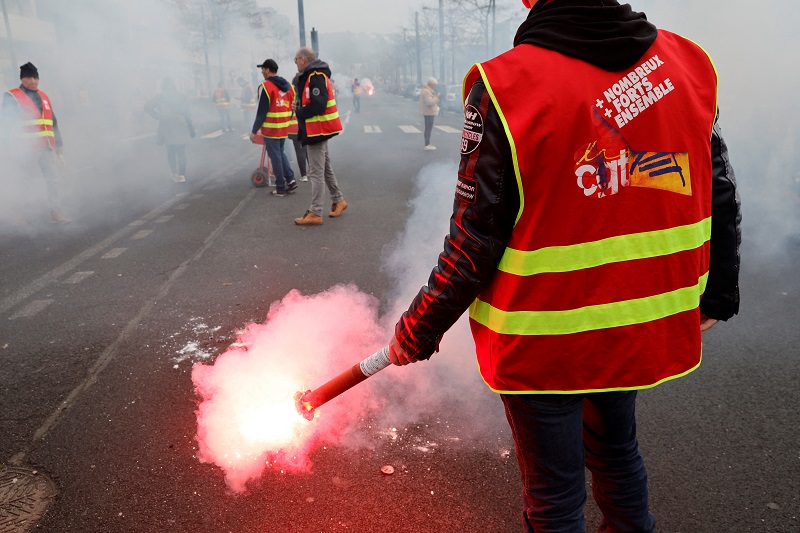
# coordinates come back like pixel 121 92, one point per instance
pixel 409 129
pixel 372 129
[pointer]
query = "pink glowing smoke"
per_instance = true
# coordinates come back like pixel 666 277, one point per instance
pixel 246 420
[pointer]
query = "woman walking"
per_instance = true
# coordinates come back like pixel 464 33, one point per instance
pixel 429 107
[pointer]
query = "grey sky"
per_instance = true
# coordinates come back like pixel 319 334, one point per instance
pixel 379 16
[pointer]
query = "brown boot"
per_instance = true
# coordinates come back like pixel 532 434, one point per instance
pixel 57 217
pixel 309 219
pixel 337 208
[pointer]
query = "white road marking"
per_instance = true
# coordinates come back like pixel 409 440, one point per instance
pixel 32 309
pixel 141 234
pixel 181 207
pixel 212 135
pixel 196 196
pixel 447 129
pixel 111 350
pixel 113 253
pixel 139 222
pixel 372 129
pixel 165 218
pixel 409 129
pixel 77 277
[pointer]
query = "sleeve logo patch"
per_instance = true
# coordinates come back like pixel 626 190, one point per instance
pixel 466 189
pixel 472 133
pixel 315 91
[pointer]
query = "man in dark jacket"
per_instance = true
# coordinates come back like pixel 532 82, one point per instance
pixel 560 430
pixel 318 121
pixel 275 98
pixel 28 116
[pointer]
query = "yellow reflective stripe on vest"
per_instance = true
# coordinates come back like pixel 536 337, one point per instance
pixel 37 134
pixel 589 318
pixel 275 125
pixel 38 122
pixel 322 118
pixel 611 250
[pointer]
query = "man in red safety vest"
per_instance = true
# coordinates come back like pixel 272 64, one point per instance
pixel 28 117
pixel 273 117
pixel 594 239
pixel 318 121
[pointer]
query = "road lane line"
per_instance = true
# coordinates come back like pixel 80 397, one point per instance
pixel 77 277
pixel 111 350
pixel 52 276
pixel 32 309
pixel 113 253
pixel 447 129
pixel 141 234
pixel 409 129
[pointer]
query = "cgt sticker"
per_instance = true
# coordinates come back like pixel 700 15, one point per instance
pixel 472 133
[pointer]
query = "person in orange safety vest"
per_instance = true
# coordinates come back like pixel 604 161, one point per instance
pixel 318 121
pixel 222 101
pixel 273 119
pixel 594 239
pixel 28 117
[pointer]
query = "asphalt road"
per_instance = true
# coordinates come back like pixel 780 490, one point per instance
pixel 102 320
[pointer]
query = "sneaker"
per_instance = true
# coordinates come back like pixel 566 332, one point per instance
pixel 430 147
pixel 309 219
pixel 278 194
pixel 291 187
pixel 337 208
pixel 57 217
pixel 303 178
pixel 180 178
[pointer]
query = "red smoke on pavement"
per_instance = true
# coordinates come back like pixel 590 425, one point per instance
pixel 246 420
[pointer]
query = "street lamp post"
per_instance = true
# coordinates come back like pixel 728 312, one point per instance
pixel 441 39
pixel 8 35
pixel 442 73
pixel 302 23
pixel 419 56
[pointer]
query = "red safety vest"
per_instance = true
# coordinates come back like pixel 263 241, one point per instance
pixel 279 114
pixel 600 284
pixel 36 126
pixel 328 122
pixel 248 98
pixel 221 99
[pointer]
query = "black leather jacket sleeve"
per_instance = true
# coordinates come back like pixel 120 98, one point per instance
pixel 721 298
pixel 479 231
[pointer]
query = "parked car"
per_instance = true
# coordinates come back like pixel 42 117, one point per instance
pixel 451 99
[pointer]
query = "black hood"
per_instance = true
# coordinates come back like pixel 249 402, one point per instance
pixel 317 66
pixel 601 32
pixel 280 83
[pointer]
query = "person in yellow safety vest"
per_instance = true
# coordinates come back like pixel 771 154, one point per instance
pixel 273 117
pixel 32 130
pixel 318 121
pixel 248 100
pixel 223 103
pixel 594 239
pixel 356 96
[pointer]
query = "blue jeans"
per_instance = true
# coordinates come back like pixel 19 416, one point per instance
pixel 555 436
pixel 280 163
